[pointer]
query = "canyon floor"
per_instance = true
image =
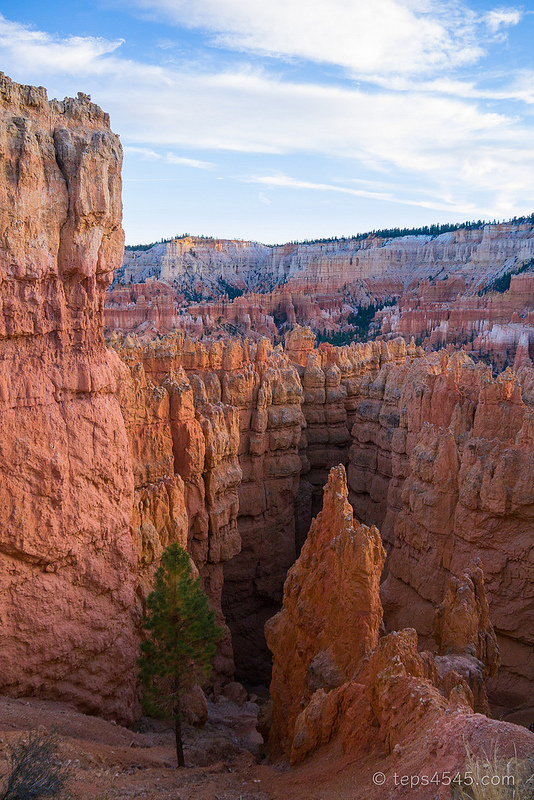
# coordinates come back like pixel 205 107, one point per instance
pixel 225 760
pixel 113 762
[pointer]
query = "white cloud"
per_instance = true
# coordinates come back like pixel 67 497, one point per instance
pixel 38 50
pixel 171 158
pixel 447 151
pixel 286 182
pixel 379 37
pixel 502 18
pixel 144 152
pixel 188 162
pixel 280 181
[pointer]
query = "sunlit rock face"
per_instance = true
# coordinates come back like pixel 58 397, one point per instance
pixel 67 556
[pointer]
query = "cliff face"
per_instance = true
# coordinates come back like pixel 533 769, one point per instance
pixel 468 257
pixel 225 447
pixel 472 288
pixel 231 417
pixel 197 265
pixel 466 494
pixel 67 559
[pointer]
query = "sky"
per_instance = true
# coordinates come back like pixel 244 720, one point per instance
pixel 280 120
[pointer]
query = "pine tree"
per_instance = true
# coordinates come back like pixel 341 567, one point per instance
pixel 179 649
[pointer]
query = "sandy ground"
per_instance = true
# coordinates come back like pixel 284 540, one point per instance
pixel 115 763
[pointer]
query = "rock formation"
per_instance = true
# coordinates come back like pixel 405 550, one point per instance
pixel 471 287
pixel 464 634
pixel 433 446
pixel 231 421
pixel 334 678
pixel 108 455
pixel 331 613
pixel 466 258
pixel 67 557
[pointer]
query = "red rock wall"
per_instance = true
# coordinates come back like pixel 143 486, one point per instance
pixel 442 458
pixel 413 430
pixel 235 422
pixel 334 678
pixel 67 556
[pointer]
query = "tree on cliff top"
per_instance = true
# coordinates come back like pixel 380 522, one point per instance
pixel 180 646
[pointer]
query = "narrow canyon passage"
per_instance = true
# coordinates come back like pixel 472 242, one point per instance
pixel 427 462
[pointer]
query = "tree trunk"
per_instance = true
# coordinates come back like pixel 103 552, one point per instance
pixel 177 711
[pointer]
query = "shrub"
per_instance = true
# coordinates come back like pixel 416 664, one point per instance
pixel 36 772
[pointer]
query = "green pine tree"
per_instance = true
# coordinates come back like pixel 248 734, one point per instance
pixel 179 649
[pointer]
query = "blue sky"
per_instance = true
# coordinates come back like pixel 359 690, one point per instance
pixel 275 120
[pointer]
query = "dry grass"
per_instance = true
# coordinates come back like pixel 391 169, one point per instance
pixel 496 778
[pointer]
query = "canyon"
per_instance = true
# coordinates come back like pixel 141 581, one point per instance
pixel 438 455
pixel 111 450
pixel 470 287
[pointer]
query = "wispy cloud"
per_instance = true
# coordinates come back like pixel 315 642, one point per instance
pixel 380 37
pixel 502 18
pixel 286 182
pixel 143 152
pixel 188 162
pixel 148 154
pixel 432 134
pixel 280 181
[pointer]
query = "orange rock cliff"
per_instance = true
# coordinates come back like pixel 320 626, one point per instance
pixel 67 577
pixel 109 454
pixel 438 456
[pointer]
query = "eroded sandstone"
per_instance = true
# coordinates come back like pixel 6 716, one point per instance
pixel 379 692
pixel 68 559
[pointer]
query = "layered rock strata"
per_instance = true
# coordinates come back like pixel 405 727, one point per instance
pixel 471 287
pixel 223 447
pixel 469 257
pixel 232 418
